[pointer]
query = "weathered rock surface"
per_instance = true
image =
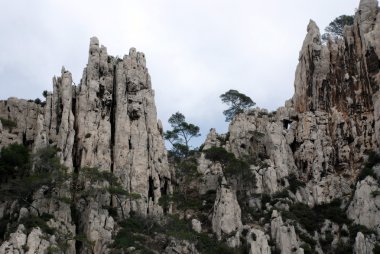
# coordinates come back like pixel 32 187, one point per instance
pixel 109 122
pixel 364 207
pixel 33 243
pixel 226 217
pixel 285 235
pixel 363 245
pixel 183 246
pixel 258 241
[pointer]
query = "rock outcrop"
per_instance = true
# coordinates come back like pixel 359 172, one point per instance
pixel 227 214
pixel 284 235
pixel 108 122
pixel 364 207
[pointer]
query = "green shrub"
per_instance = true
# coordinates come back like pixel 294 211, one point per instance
pixel 373 159
pixel 7 123
pixel 375 193
pixel 233 168
pixel 14 161
pixel 307 239
pixel 265 198
pixel 35 221
pixel 366 171
pixel 304 215
pixel 3 226
pixel 355 228
pixel 333 212
pixel 281 194
pixel 295 183
pixel 376 249
pixel 307 248
pixel 343 248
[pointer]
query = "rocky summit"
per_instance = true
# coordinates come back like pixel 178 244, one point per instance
pixel 87 171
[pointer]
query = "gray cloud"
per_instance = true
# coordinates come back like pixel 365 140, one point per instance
pixel 196 50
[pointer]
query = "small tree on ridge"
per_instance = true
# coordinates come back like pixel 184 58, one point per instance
pixel 237 103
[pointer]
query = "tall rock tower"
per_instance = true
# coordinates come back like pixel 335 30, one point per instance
pixel 109 121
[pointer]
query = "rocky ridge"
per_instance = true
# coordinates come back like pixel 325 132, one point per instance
pixel 108 122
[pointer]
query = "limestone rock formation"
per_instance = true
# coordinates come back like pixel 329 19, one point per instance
pixel 363 245
pixel 108 122
pixel 285 235
pixel 258 242
pixel 364 207
pixel 227 214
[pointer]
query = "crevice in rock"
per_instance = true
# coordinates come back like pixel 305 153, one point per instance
pixel 113 117
pixel 286 123
pixel 164 192
pixel 130 144
pixel 150 191
pixel 59 110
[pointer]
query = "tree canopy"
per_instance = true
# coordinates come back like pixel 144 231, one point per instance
pixel 181 134
pixel 237 103
pixel 336 27
pixel 14 161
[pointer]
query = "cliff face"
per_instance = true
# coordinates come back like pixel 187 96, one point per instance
pixel 108 122
pixel 313 149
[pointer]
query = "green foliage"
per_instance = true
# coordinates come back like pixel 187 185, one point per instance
pixel 37 101
pixel 3 226
pixel 45 93
pixel 376 249
pixel 95 175
pixel 237 103
pixel 312 219
pixel 180 135
pixel 128 235
pixel 219 154
pixel 295 183
pixel 343 248
pixel 14 161
pixel 117 190
pixel 373 159
pixel 7 123
pixel 281 194
pixel 355 228
pixel 307 239
pixel 304 215
pixel 366 171
pixel 21 184
pixel 332 211
pixel 45 160
pixel 233 168
pixel 136 231
pixel 336 27
pixel 31 222
pixel 307 248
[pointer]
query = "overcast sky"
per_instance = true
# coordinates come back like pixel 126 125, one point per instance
pixel 195 49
